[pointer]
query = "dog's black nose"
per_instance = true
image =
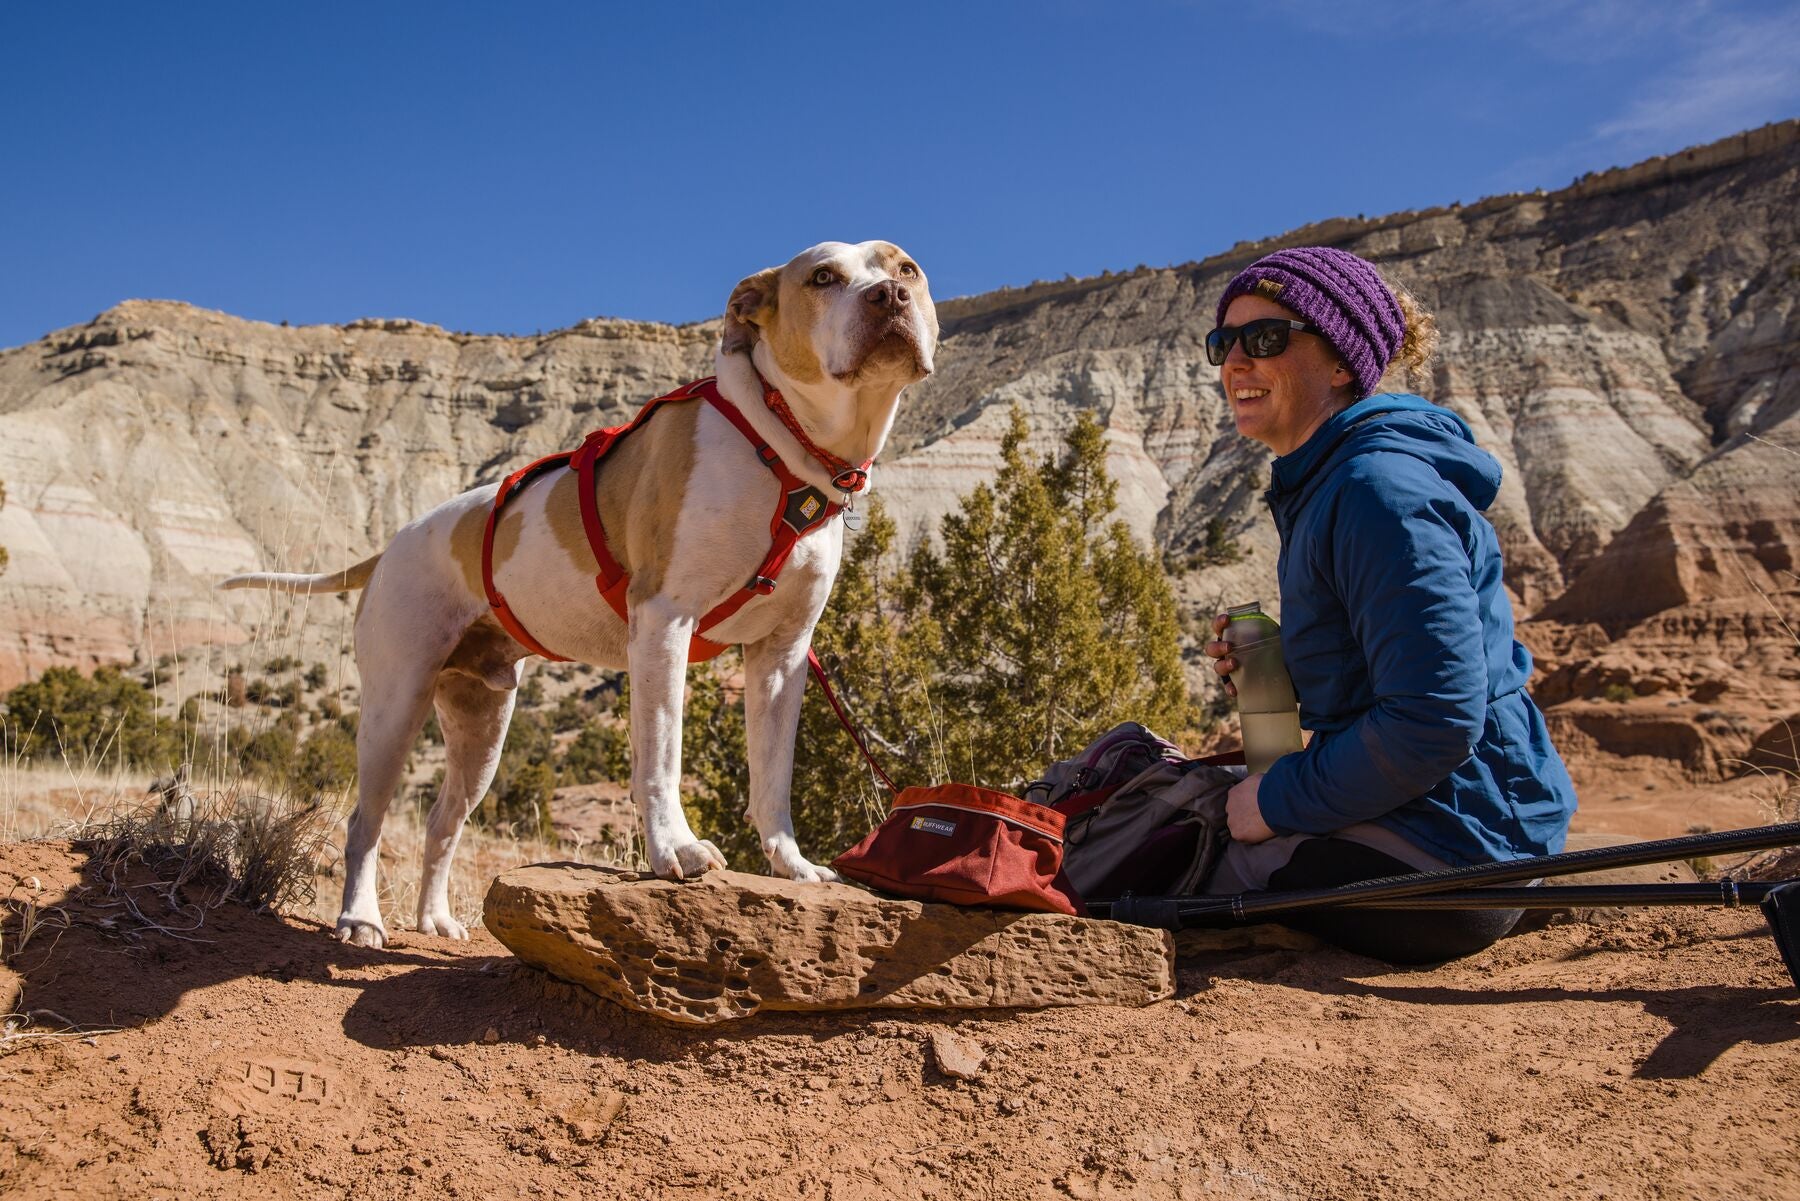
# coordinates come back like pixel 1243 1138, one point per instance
pixel 889 295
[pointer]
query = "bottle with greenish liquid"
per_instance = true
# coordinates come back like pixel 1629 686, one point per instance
pixel 1267 707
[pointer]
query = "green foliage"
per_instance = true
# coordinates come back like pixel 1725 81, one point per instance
pixel 526 780
pixel 327 759
pixel 598 753
pixel 569 713
pixel 1216 548
pixel 268 753
pixel 281 663
pixel 1619 692
pixel 1039 625
pixel 315 677
pixel 273 693
pixel 91 719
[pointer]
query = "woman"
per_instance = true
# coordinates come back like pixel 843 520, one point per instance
pixel 1426 751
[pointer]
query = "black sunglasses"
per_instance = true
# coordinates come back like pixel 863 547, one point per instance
pixel 1263 338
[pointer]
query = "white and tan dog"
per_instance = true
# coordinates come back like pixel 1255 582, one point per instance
pixel 839 331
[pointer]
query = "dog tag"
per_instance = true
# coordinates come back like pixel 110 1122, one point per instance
pixel 853 520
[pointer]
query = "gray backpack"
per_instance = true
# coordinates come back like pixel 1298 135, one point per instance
pixel 1122 790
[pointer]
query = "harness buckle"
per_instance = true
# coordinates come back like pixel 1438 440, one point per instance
pixel 762 585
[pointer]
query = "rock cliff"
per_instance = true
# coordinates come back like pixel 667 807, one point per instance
pixel 1626 346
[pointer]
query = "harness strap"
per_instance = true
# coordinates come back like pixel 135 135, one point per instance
pixel 512 625
pixel 802 509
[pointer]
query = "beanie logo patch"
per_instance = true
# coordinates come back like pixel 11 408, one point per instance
pixel 1271 288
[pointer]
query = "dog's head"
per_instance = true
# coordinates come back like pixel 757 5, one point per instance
pixel 856 315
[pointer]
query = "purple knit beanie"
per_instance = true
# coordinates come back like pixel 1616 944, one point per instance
pixel 1341 294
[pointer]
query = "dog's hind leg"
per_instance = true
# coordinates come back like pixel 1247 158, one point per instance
pixel 774 685
pixel 473 716
pixel 393 711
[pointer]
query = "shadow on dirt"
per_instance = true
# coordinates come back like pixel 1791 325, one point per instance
pixel 91 963
pixel 1706 1020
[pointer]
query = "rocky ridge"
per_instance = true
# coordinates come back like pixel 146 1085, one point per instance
pixel 1626 346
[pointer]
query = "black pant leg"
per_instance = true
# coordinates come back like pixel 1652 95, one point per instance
pixel 1394 935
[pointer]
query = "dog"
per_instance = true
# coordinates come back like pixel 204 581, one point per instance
pixel 839 331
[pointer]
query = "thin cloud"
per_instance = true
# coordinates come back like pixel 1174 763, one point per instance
pixel 1741 73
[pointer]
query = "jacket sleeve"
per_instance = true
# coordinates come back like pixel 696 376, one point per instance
pixel 1398 562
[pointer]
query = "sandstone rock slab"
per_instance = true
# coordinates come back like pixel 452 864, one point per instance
pixel 730 944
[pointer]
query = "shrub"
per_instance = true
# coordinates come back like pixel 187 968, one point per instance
pixel 108 715
pixel 599 752
pixel 272 693
pixel 281 663
pixel 268 753
pixel 315 677
pixel 569 713
pixel 327 759
pixel 526 781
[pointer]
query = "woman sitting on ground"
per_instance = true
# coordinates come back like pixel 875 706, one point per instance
pixel 1426 751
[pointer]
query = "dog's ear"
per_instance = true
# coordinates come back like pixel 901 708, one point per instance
pixel 749 310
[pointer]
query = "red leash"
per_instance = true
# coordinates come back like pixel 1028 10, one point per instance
pixel 837 706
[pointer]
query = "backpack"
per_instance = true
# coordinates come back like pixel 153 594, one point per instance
pixel 1140 817
pixel 1074 786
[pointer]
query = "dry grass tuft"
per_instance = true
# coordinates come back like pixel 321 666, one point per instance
pixel 202 852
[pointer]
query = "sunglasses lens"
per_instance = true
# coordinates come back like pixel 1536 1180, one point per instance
pixel 1218 345
pixel 1265 338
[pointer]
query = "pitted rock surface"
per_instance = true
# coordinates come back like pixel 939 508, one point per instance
pixel 730 944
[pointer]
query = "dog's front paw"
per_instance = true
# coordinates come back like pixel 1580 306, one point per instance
pixel 442 925
pixel 787 862
pixel 813 873
pixel 361 933
pixel 687 860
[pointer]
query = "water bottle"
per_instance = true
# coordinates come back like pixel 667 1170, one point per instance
pixel 1267 707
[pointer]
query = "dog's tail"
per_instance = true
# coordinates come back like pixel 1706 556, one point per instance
pixel 347 580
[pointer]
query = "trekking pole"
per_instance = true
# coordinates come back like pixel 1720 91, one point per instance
pixel 1181 912
pixel 1460 888
pixel 1728 893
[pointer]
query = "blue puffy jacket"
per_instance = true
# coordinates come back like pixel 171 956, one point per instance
pixel 1399 636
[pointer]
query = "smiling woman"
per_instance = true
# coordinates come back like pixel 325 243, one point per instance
pixel 1426 751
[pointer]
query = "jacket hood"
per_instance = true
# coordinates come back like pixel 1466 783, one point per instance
pixel 1398 422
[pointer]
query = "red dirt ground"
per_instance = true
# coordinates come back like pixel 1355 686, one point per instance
pixel 1651 1057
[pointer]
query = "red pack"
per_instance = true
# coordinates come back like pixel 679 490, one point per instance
pixel 967 846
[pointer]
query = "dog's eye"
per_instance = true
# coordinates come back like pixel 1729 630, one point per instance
pixel 824 277
pixel 908 271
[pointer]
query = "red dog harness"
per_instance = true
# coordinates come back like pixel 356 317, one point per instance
pixel 801 510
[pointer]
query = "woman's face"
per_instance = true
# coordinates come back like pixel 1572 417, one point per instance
pixel 1280 401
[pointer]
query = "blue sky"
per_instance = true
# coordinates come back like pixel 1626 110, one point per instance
pixel 519 167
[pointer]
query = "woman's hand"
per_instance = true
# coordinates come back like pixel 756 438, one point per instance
pixel 1220 651
pixel 1243 815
